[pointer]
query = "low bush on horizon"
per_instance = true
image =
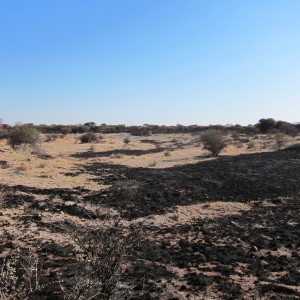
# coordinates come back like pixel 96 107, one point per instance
pixel 89 137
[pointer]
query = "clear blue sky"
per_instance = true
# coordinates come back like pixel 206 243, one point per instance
pixel 149 61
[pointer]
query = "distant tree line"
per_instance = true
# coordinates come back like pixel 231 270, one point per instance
pixel 268 125
pixel 271 126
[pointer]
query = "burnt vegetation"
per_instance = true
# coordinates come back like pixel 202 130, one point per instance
pixel 126 240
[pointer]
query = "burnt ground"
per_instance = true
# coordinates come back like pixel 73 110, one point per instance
pixel 251 255
pixel 242 178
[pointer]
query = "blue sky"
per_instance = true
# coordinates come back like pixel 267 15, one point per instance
pixel 149 61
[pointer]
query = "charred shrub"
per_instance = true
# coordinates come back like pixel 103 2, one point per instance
pixel 102 251
pixel 19 275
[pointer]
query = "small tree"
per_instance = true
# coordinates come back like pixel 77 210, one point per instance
pixel 213 141
pixel 265 125
pixel 23 134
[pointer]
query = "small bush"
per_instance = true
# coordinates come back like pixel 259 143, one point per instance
pixel 153 164
pixel 213 141
pixel 89 137
pixel 126 141
pixel 280 139
pixel 102 254
pixel 92 148
pixel 22 135
pixel 251 145
pixel 51 137
pixel 265 125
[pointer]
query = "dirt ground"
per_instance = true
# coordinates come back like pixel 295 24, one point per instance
pixel 213 228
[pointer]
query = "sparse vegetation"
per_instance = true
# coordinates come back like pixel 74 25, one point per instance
pixel 23 135
pixel 251 145
pixel 280 139
pixel 89 137
pixel 92 148
pixel 153 164
pixel 19 275
pixel 167 153
pixel 3 195
pixel 175 205
pixel 51 137
pixel 265 125
pixel 213 141
pixel 103 249
pixel 126 141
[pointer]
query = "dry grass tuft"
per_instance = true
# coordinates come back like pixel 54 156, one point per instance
pixel 23 167
pixel 167 153
pixel 61 155
pixel 153 164
pixel 117 156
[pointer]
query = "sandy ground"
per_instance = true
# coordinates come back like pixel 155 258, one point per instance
pixel 28 169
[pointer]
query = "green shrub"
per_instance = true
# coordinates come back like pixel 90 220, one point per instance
pixel 213 141
pixel 126 141
pixel 265 125
pixel 22 135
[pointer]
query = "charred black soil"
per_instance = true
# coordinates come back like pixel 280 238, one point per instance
pixel 251 255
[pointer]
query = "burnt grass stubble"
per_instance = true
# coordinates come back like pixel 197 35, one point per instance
pixel 238 246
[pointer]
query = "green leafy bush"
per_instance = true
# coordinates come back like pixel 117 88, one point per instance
pixel 22 135
pixel 213 141
pixel 265 125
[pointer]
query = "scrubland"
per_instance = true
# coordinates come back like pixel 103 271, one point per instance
pixel 173 221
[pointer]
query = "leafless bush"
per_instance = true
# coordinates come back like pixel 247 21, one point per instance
pixel 51 137
pixel 280 139
pixel 19 275
pixel 102 252
pixel 126 189
pixel 251 145
pixel 38 151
